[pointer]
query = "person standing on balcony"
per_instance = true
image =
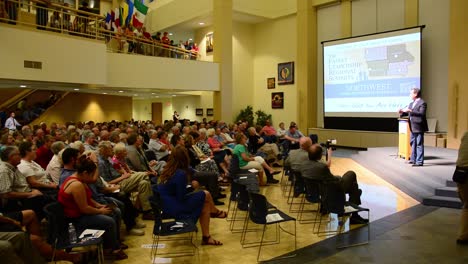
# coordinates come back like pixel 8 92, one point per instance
pixel 42 14
pixel 11 123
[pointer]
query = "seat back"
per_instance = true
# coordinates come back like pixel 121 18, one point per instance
pixel 312 188
pixel 156 205
pixel 258 208
pixel 234 167
pixel 56 224
pixel 335 197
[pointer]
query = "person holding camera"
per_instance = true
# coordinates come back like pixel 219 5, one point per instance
pixel 317 169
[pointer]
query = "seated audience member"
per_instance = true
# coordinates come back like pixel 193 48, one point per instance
pixel 84 212
pixel 136 157
pixel 219 154
pixel 14 222
pixel 462 165
pixel 246 161
pixel 205 173
pixel 54 168
pixel 7 140
pixel 35 175
pixel 268 132
pixel 295 159
pixel 316 169
pixel 227 137
pixel 90 142
pixel 161 150
pixel 14 187
pixel 178 200
pixel 128 181
pixel 258 145
pixel 16 246
pixel 281 132
pixel 291 139
pixel 43 153
pixel 69 159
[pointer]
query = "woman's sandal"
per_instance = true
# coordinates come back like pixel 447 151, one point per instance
pixel 219 214
pixel 207 240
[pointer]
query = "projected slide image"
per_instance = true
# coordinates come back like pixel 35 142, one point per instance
pixel 371 75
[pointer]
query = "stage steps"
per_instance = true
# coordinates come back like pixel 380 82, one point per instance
pixel 430 184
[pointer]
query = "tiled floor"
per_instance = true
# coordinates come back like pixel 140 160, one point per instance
pixel 382 198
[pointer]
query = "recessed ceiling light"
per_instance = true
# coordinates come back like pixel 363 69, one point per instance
pixel 174 95
pixel 120 91
pixel 135 94
pixel 157 96
pixel 23 86
pixel 201 23
pixel 153 93
pixel 76 89
pixel 190 39
pixel 170 34
pixel 104 93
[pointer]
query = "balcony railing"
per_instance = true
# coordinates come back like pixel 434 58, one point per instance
pixel 69 21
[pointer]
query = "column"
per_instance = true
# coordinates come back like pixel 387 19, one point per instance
pixel 222 54
pixel 306 68
pixel 411 13
pixel 346 19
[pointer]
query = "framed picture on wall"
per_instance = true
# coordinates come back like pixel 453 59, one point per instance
pixel 199 112
pixel 271 83
pixel 209 112
pixel 209 42
pixel 286 73
pixel 277 100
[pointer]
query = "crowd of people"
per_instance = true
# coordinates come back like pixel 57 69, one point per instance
pixel 103 174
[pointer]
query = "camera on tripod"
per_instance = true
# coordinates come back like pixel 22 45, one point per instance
pixel 329 144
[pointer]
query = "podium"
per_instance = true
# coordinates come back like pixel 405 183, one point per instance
pixel 404 135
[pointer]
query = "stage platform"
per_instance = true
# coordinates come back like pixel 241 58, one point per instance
pixel 431 184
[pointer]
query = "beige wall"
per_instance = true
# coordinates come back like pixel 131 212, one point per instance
pixel 60 60
pixel 163 73
pixel 84 107
pixel 275 42
pixel 185 105
pixel 457 75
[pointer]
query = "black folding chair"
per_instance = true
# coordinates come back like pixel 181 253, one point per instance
pixel 335 202
pixel 262 213
pixel 57 234
pixel 313 196
pixel 170 230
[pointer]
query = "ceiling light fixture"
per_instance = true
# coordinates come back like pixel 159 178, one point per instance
pixel 190 39
pixel 201 23
pixel 174 95
pixel 170 34
pixel 76 89
pixel 120 91
pixel 104 93
pixel 23 86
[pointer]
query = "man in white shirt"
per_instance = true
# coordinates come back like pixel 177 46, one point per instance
pixel 159 148
pixel 11 122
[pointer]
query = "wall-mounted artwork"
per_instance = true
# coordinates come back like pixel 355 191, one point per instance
pixel 286 73
pixel 209 112
pixel 277 100
pixel 209 42
pixel 271 83
pixel 199 112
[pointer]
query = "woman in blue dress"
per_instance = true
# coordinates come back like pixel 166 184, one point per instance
pixel 180 202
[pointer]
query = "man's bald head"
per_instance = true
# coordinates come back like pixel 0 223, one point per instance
pixel 305 143
pixel 315 152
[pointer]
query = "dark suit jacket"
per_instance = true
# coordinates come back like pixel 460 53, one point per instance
pixel 418 121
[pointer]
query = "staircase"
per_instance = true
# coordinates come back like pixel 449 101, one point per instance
pixel 430 184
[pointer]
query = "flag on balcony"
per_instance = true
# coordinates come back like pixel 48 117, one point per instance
pixel 123 12
pixel 108 21
pixel 116 18
pixel 128 18
pixel 140 14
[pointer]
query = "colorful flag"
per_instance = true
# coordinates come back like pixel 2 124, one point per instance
pixel 117 18
pixel 123 13
pixel 113 27
pixel 128 19
pixel 140 14
pixel 108 21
